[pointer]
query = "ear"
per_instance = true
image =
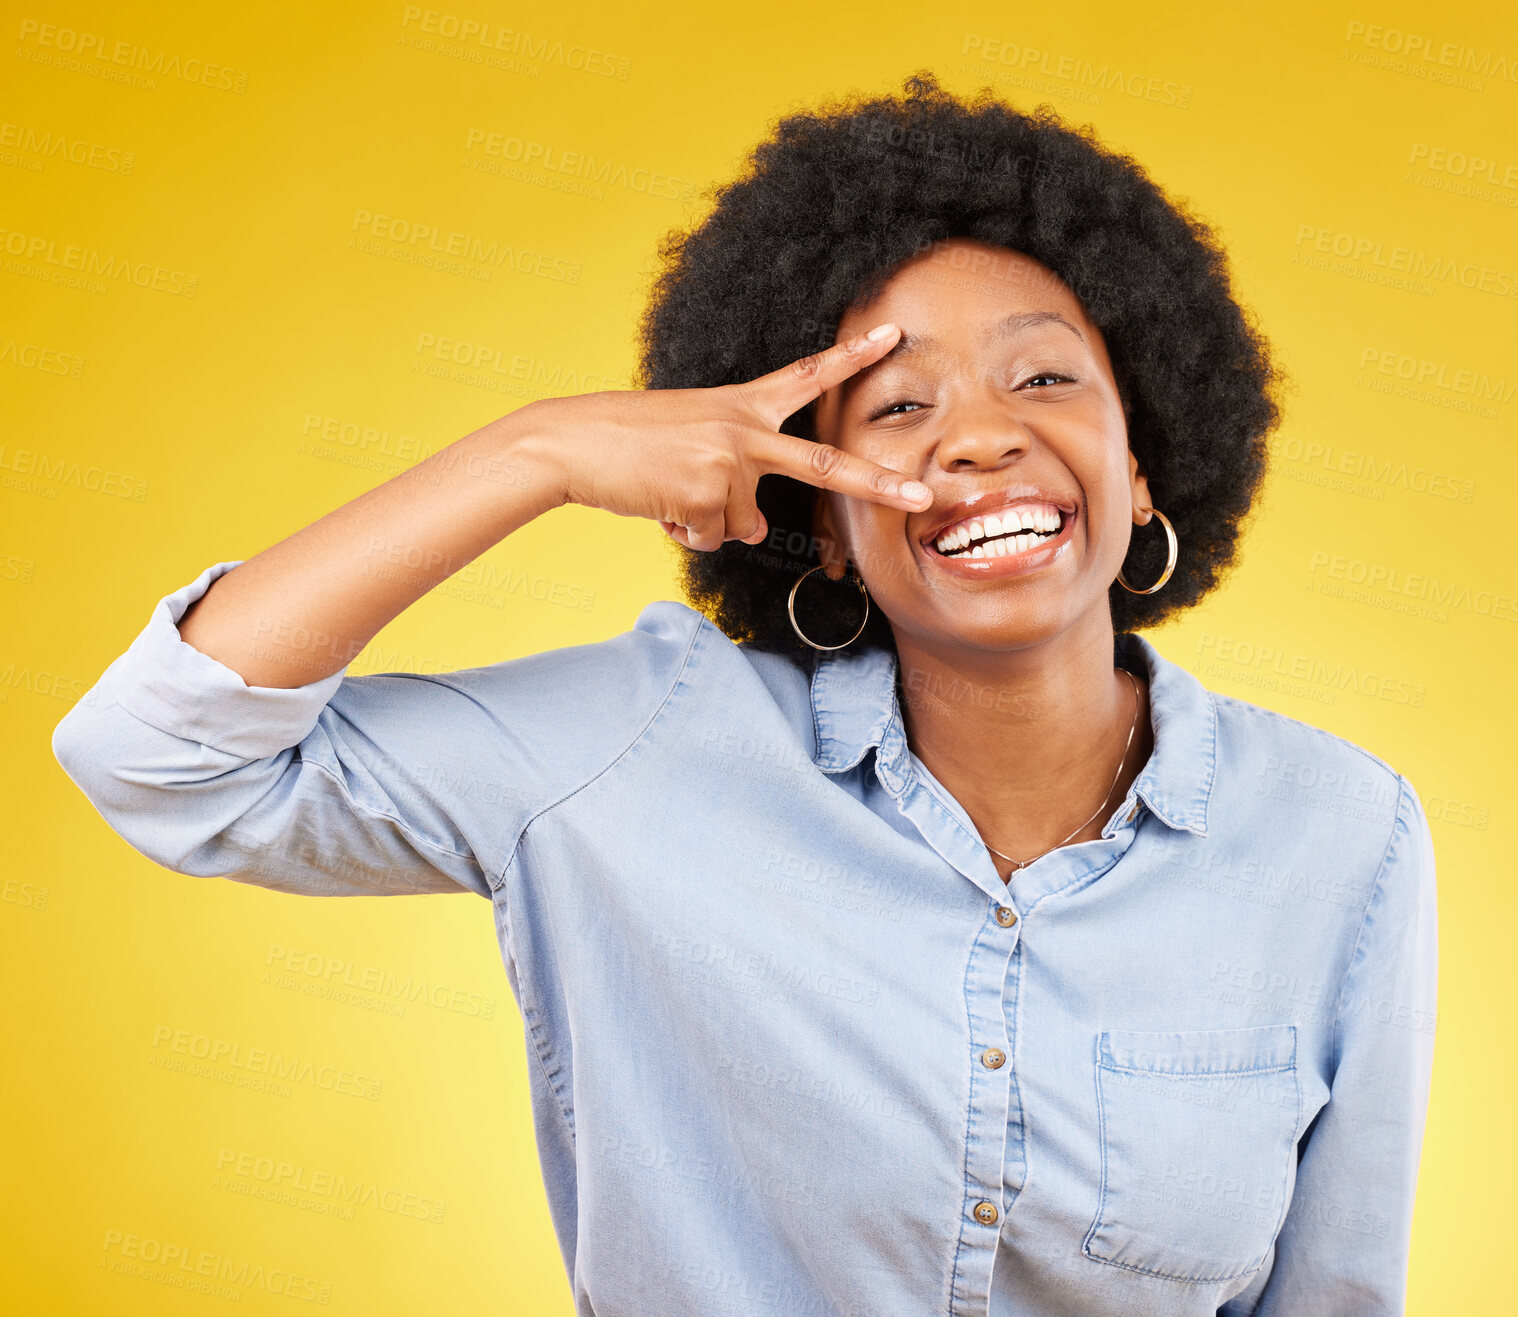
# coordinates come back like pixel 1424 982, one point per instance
pixel 1138 482
pixel 830 546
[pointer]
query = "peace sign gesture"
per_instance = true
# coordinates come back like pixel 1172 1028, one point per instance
pixel 691 459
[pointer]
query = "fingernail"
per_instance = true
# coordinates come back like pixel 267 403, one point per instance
pixel 914 490
pixel 879 332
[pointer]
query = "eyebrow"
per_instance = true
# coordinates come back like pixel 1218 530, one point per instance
pixel 1007 327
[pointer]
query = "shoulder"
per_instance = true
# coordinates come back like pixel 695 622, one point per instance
pixel 1272 733
pixel 550 718
pixel 1349 813
pixel 1294 762
pixel 673 665
pixel 620 674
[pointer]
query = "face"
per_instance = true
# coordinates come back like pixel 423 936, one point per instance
pixel 1000 398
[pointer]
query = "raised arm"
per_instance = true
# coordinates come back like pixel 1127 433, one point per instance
pixel 304 608
pixel 689 458
pixel 228 740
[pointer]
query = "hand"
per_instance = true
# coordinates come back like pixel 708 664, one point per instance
pixel 691 459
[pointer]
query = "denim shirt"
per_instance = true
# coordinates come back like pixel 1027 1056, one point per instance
pixel 797 1048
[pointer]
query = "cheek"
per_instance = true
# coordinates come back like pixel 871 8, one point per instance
pixel 1109 528
pixel 877 540
pixel 1103 471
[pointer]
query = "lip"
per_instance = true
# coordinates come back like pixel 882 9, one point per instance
pixel 1013 564
pixel 997 500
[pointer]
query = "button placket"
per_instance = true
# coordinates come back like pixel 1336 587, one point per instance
pixel 987 1116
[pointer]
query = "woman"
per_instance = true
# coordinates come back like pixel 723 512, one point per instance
pixel 901 932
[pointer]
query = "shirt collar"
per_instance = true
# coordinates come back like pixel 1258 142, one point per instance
pixel 854 707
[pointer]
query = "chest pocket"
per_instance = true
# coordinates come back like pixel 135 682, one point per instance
pixel 1198 1133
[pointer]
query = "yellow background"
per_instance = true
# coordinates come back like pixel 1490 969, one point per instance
pixel 1301 128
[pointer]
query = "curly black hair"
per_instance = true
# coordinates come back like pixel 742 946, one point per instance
pixel 838 197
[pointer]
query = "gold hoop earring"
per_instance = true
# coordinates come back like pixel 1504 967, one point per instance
pixel 790 607
pixel 1174 550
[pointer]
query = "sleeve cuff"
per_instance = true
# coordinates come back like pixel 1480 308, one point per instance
pixel 172 686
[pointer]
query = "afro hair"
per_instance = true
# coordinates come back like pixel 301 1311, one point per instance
pixel 838 197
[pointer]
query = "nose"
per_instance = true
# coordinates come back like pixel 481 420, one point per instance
pixel 982 435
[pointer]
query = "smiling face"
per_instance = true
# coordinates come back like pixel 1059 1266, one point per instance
pixel 1000 398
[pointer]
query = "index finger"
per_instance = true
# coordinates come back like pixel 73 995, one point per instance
pixel 831 468
pixel 784 392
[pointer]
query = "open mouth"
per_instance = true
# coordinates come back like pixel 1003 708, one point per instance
pixel 1006 534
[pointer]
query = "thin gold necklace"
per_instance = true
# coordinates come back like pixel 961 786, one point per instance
pixel 1023 864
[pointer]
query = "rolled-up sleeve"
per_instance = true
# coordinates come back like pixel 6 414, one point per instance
pixel 1343 1249
pixel 385 784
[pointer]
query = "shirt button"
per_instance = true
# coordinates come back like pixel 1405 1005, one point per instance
pixel 992 1058
pixel 986 1213
pixel 1006 916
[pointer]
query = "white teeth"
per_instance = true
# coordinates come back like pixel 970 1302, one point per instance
pixel 1004 533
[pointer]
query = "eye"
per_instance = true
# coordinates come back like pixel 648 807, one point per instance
pixel 1048 375
pixel 890 409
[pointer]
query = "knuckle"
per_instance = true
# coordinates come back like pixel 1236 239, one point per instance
pixel 824 460
pixel 716 470
pixel 808 367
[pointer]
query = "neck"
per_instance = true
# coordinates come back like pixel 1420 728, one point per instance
pixel 1027 739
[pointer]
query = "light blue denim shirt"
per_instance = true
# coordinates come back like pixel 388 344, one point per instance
pixel 796 1047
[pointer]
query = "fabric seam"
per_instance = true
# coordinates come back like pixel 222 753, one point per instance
pixel 701 623
pixel 1375 889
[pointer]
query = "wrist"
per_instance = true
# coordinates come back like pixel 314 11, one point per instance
pixel 527 441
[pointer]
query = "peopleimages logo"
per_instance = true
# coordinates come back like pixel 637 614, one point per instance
pixel 1413 585
pixel 39 40
pixel 1427 54
pixel 1248 658
pixel 259 1062
pixel 1378 470
pixel 553 159
pixel 74 266
pixel 1465 164
pixel 336 972
pixel 296 1185
pixel 480 37
pixel 1076 71
pixel 426 244
pixel 1393 258
pixel 203 1271
pixel 1437 374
